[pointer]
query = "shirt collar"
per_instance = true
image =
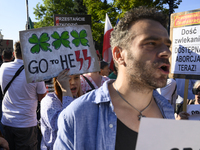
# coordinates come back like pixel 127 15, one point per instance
pixel 20 61
pixel 102 94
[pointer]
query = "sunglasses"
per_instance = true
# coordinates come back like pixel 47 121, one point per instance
pixel 196 90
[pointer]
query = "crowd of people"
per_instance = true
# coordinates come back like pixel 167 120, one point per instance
pixel 97 110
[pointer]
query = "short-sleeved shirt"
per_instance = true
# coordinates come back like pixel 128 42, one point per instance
pixel 21 99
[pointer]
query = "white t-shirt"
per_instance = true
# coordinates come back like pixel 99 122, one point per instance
pixel 169 92
pixel 20 101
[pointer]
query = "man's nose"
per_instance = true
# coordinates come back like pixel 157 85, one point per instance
pixel 164 51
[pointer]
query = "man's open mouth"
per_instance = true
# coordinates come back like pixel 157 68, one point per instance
pixel 165 68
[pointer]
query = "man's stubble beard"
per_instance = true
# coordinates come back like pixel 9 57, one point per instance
pixel 143 75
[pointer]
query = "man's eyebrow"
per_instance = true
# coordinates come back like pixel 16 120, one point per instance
pixel 151 38
pixel 156 39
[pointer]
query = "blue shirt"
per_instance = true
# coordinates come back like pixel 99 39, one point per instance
pixel 90 123
pixel 181 87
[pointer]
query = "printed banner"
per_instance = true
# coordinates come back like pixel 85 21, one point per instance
pixel 186 50
pixel 47 51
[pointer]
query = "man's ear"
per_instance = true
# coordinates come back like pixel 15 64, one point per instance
pixel 118 55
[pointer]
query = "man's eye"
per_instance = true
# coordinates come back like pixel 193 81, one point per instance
pixel 150 43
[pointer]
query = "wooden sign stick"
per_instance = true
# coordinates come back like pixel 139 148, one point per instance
pixel 185 95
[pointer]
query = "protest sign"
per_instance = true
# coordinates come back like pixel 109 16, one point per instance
pixel 47 51
pixel 6 44
pixel 185 37
pixel 168 134
pixel 185 58
pixel 71 19
pixel 194 111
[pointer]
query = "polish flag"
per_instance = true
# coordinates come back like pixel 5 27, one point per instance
pixel 107 53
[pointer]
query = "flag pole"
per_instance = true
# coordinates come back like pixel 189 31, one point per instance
pixel 27 26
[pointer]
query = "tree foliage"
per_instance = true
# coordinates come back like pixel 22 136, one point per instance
pixel 97 9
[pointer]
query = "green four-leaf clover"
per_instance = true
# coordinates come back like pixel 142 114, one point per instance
pixel 79 38
pixel 39 43
pixel 61 39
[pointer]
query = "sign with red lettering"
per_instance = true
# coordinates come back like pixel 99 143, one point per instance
pixel 47 51
pixel 185 37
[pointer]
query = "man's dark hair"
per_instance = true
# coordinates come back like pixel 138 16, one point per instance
pixel 17 50
pixel 103 64
pixel 121 36
pixel 7 54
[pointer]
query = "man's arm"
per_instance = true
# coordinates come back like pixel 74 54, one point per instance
pixel 65 133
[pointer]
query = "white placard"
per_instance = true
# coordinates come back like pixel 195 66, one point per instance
pixel 47 51
pixel 186 50
pixel 194 111
pixel 168 134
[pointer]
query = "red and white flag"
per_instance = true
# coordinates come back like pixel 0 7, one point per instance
pixel 107 53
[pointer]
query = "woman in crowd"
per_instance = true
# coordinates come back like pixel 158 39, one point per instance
pixel 67 88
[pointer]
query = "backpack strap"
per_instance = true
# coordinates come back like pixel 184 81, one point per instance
pixel 88 81
pixel 16 74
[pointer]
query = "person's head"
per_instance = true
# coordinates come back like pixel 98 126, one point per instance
pixel 196 91
pixel 105 70
pixel 17 50
pixel 75 86
pixel 7 55
pixel 140 47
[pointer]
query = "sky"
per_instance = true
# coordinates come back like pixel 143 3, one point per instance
pixel 13 15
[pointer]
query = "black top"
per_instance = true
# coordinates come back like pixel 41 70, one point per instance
pixel 125 138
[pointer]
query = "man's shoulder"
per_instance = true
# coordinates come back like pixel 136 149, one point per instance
pixel 89 103
pixel 85 104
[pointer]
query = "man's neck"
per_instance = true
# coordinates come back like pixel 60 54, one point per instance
pixel 135 93
pixel 7 60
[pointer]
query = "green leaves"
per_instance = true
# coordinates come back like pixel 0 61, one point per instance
pixel 40 43
pixel 61 40
pixel 79 38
